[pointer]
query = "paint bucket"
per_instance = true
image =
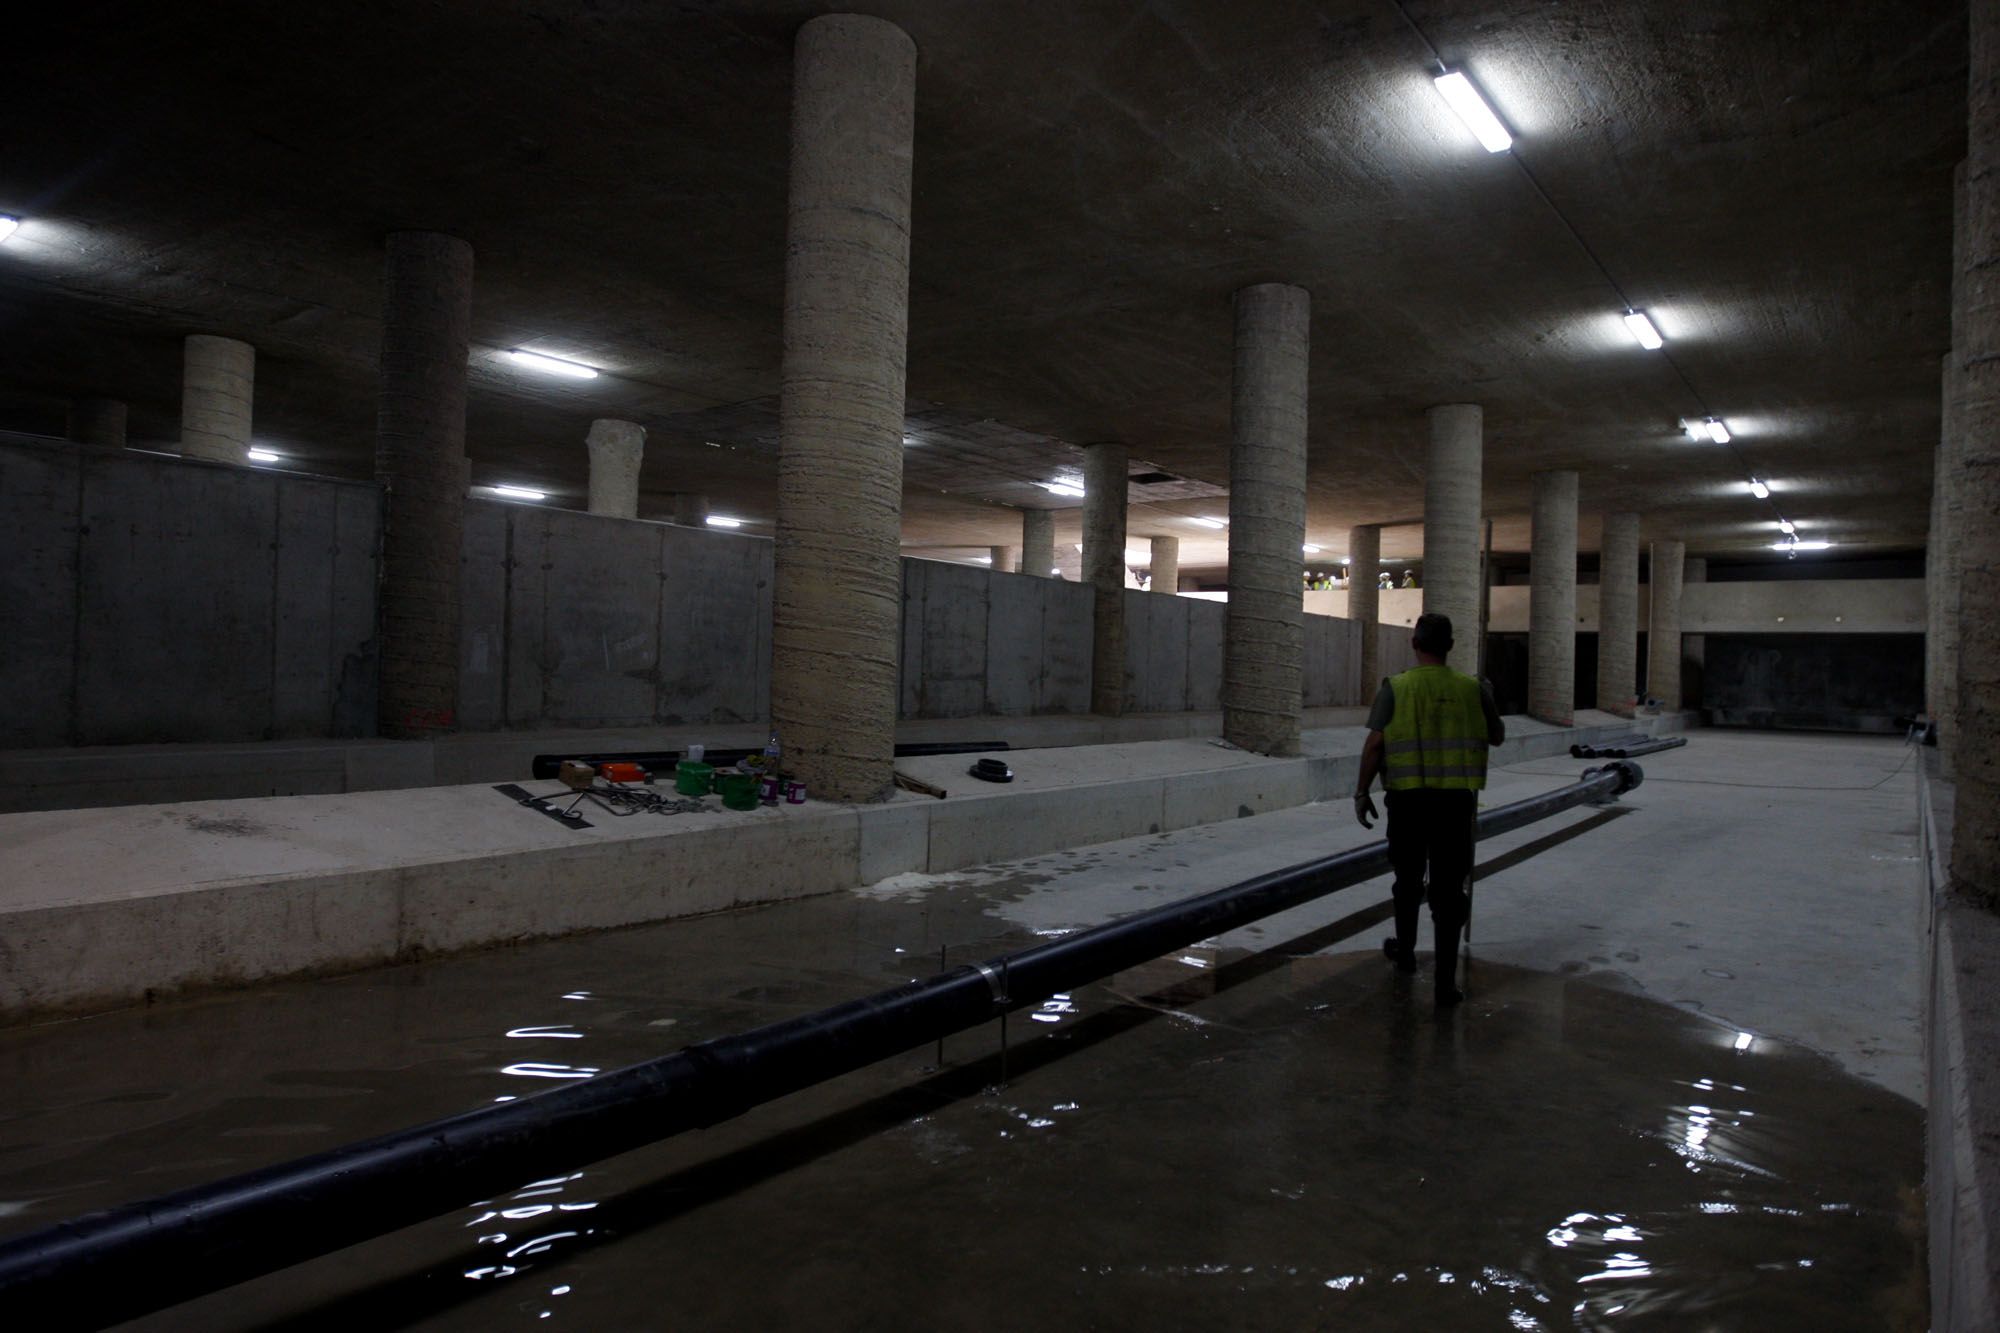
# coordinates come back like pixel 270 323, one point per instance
pixel 767 788
pixel 795 792
pixel 692 779
pixel 739 790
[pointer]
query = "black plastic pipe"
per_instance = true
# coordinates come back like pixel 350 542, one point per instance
pixel 112 1266
pixel 1627 748
pixel 545 766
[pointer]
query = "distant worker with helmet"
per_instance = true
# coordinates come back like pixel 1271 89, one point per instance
pixel 1428 734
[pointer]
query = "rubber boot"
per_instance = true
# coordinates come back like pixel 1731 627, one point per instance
pixel 1448 933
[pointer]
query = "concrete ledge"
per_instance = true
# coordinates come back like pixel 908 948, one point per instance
pixel 1962 1052
pixel 110 775
pixel 104 907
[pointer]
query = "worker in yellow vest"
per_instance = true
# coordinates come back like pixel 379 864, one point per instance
pixel 1427 737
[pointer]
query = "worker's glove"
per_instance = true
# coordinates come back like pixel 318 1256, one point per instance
pixel 1364 808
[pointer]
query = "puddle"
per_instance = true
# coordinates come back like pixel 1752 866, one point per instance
pixel 1217 1139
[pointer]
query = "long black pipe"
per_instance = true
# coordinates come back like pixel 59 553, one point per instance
pixel 1627 748
pixel 112 1266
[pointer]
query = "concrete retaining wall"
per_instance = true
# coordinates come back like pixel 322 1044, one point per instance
pixel 979 642
pixel 1961 1039
pixel 579 620
pixel 151 599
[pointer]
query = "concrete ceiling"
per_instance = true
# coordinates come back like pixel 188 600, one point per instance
pixel 1093 179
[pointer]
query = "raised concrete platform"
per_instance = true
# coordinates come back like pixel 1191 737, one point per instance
pixel 74 777
pixel 103 907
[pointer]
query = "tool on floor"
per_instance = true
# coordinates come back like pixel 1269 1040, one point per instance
pixel 567 818
pixel 918 785
pixel 991 770
pixel 576 775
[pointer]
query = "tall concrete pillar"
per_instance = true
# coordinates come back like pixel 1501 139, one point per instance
pixel 1106 480
pixel 1364 604
pixel 1005 559
pixel 99 421
pixel 836 618
pixel 1618 615
pixel 1953 441
pixel 1264 639
pixel 616 450
pixel 690 509
pixel 1694 647
pixel 1451 525
pixel 1941 573
pixel 1165 572
pixel 420 464
pixel 218 379
pixel 1552 600
pixel 1038 542
pixel 1663 627
pixel 1975 856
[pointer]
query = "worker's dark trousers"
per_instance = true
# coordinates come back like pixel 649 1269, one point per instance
pixel 1434 829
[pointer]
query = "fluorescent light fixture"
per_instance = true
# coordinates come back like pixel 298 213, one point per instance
pixel 1743 1040
pixel 722 521
pixel 1759 489
pixel 517 492
pixel 1068 488
pixel 1794 544
pixel 1310 549
pixel 551 365
pixel 1717 431
pixel 1642 329
pixel 1208 522
pixel 982 559
pixel 7 225
pixel 261 455
pixel 1463 98
pixel 1785 526
pixel 1079 547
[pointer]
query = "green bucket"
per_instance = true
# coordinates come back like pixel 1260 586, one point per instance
pixel 739 790
pixel 693 779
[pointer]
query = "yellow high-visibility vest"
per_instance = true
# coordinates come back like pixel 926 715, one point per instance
pixel 1436 739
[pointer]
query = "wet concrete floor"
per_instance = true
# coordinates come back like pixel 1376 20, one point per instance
pixel 1281 1139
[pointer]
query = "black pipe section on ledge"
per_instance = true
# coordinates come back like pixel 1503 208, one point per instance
pixel 113 1266
pixel 546 766
pixel 1627 747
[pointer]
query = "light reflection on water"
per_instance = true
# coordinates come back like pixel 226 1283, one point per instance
pixel 1321 1153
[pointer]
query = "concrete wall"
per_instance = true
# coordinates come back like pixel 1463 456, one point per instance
pixel 148 599
pixel 979 642
pixel 1791 606
pixel 1962 1109
pixel 579 620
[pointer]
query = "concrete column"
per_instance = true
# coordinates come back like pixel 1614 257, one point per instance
pixel 1694 647
pixel 836 622
pixel 99 421
pixel 1364 603
pixel 690 510
pixel 1165 573
pixel 1005 559
pixel 1452 468
pixel 1953 517
pixel 1105 484
pixel 218 378
pixel 1552 600
pixel 1663 629
pixel 1618 615
pixel 1264 643
pixel 1975 855
pixel 1038 542
pixel 616 450
pixel 421 466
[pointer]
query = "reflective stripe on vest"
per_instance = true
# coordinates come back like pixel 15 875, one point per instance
pixel 1436 738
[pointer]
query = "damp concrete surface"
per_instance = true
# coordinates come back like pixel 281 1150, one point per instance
pixel 1678 1095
